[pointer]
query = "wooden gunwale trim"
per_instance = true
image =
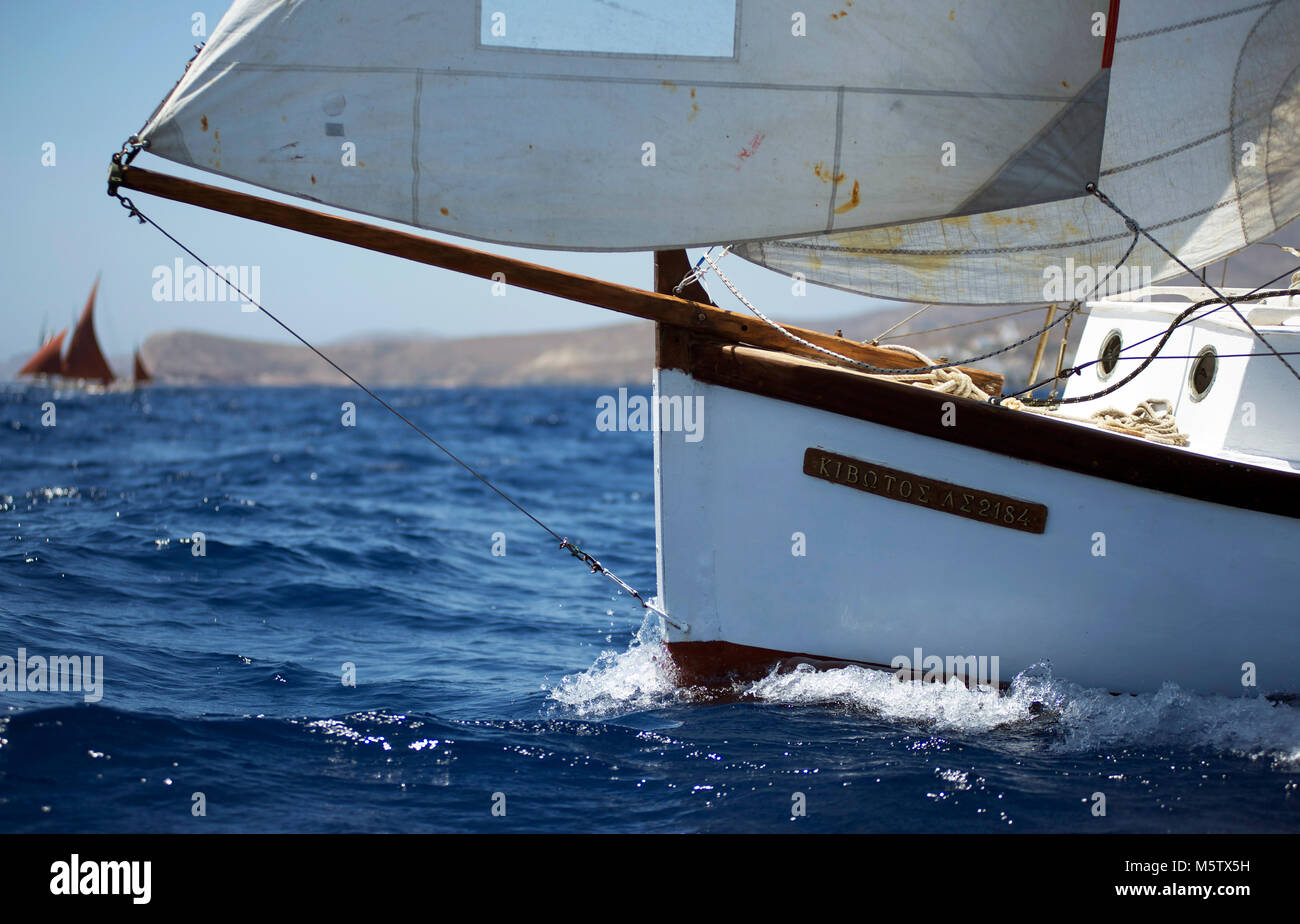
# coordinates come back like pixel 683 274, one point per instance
pixel 1015 434
pixel 654 306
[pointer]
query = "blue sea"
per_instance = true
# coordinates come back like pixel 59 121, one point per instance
pixel 373 641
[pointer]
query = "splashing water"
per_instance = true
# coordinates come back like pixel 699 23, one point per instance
pixel 1064 717
pixel 635 680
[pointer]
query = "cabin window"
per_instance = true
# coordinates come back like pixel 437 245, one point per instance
pixel 1204 370
pixel 675 28
pixel 1108 358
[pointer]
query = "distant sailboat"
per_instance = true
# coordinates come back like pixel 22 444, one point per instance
pixel 46 360
pixel 139 374
pixel 84 360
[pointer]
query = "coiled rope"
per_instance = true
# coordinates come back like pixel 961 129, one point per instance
pixel 1153 419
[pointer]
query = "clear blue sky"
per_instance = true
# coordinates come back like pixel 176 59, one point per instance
pixel 85 74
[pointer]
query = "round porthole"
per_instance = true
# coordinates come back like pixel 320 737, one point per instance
pixel 1204 370
pixel 1108 358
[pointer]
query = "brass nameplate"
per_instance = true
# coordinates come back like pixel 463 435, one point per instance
pixel 943 496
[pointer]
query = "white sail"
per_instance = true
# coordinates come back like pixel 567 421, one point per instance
pixel 580 124
pixel 1201 147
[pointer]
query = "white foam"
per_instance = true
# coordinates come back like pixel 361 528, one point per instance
pixel 1056 714
pixel 620 682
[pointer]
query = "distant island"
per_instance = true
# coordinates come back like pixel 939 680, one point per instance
pixel 617 354
pixel 614 354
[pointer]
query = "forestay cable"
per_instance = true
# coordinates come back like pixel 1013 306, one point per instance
pixel 565 543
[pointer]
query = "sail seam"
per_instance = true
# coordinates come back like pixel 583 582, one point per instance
pixel 835 170
pixel 1170 153
pixel 415 149
pixel 658 81
pixel 990 251
pixel 1255 117
pixel 1196 22
pixel 1268 192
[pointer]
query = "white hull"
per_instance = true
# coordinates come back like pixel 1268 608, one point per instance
pixel 1187 591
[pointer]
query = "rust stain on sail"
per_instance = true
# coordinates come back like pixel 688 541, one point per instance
pixel 825 175
pixel 855 199
pixel 750 150
pixel 999 221
pixel 888 246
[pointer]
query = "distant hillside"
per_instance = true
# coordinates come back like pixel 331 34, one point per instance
pixel 616 354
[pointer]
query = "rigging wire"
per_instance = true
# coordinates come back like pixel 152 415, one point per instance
pixel 1133 225
pixel 1075 307
pixel 1254 295
pixel 1184 318
pixel 1220 355
pixel 1293 290
pixel 875 341
pixel 935 330
pixel 595 566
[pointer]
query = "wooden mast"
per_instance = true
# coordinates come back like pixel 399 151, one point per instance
pixel 655 306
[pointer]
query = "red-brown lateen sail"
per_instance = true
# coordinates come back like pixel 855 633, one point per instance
pixel 85 360
pixel 140 374
pixel 46 360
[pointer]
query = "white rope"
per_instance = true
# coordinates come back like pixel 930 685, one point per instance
pixel 1153 419
pixel 952 381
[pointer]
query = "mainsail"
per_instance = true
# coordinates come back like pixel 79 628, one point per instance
pixel 648 125
pixel 46 360
pixel 1201 148
pixel 84 359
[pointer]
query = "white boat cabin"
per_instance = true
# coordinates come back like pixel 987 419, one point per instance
pixel 1230 395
